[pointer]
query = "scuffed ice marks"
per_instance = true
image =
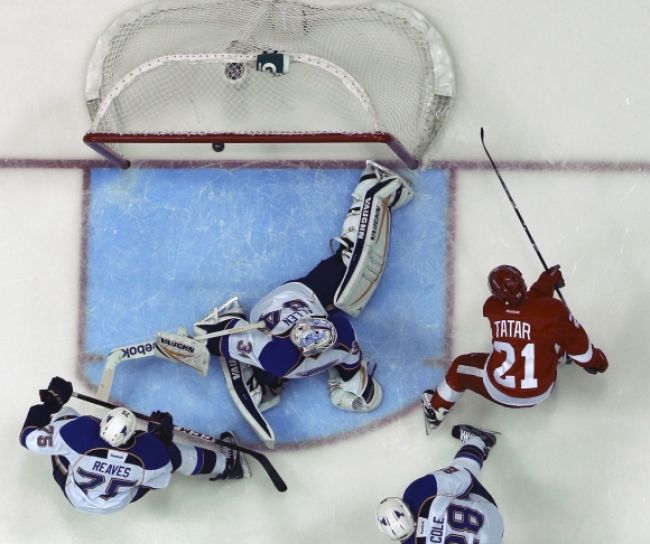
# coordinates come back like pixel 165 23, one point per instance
pixel 166 246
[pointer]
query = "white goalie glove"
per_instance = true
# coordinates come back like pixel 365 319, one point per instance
pixel 183 349
pixel 361 393
pixel 366 232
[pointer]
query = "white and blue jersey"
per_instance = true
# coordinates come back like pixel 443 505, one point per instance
pixel 94 476
pixel 451 506
pixel 271 348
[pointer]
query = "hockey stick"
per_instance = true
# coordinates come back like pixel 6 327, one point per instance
pixel 241 396
pixel 262 459
pixel 250 327
pixel 514 207
pixel 523 224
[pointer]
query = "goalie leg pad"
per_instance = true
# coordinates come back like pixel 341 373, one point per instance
pixel 400 189
pixel 361 393
pixel 366 233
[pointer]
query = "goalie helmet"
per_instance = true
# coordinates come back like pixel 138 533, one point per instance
pixel 313 335
pixel 507 284
pixel 395 519
pixel 117 427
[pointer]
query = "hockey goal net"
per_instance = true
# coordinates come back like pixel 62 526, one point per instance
pixel 269 71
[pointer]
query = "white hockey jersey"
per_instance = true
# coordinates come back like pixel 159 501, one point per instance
pixel 450 505
pixel 272 349
pixel 99 479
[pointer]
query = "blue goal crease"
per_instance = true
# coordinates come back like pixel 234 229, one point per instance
pixel 167 245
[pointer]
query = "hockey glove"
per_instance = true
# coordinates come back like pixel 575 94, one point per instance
pixel 598 363
pixel 161 425
pixel 58 392
pixel 549 280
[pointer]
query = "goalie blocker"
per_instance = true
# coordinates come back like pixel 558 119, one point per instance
pixel 365 234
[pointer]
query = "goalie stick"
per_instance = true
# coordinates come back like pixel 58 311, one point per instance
pixel 190 354
pixel 262 459
pixel 523 224
pixel 241 396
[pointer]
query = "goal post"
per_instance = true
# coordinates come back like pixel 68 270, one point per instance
pixel 268 71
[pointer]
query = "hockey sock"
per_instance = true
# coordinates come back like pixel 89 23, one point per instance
pixel 206 461
pixel 445 396
pixel 195 460
pixel 438 402
pixel 471 455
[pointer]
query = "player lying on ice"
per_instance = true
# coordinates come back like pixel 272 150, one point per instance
pixel 303 328
pixel 102 466
pixel 531 332
pixel 449 505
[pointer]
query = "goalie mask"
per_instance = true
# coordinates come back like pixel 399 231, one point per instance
pixel 117 427
pixel 313 335
pixel 395 519
pixel 507 284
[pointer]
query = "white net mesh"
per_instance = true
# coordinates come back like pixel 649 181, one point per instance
pixel 191 69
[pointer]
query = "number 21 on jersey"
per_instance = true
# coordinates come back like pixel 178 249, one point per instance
pixel 528 353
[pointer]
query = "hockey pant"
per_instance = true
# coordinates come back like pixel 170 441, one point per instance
pixel 325 278
pixel 465 373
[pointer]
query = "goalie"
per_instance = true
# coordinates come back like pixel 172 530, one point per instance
pixel 303 330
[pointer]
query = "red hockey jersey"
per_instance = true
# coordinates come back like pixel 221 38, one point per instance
pixel 527 340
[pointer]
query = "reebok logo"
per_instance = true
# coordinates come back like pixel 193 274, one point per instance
pixel 139 349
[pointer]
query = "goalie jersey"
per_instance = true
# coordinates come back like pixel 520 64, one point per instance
pixel 271 348
pixel 451 505
pixel 94 476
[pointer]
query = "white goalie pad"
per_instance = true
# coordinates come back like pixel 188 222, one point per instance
pixel 366 233
pixel 183 349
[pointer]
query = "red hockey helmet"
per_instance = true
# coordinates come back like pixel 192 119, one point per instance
pixel 507 284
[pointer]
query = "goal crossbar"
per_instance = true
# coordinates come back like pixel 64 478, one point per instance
pixel 99 142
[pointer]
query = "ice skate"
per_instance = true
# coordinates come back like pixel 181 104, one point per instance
pixel 466 432
pixel 432 417
pixel 236 464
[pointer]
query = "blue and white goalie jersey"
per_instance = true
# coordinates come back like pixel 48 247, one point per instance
pixel 451 506
pixel 98 478
pixel 272 349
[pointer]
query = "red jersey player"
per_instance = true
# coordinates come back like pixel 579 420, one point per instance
pixel 531 330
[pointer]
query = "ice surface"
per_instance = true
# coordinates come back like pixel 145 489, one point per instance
pixel 562 92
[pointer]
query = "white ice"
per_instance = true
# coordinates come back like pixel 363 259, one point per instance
pixel 559 85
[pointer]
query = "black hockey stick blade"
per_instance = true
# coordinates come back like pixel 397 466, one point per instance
pixel 262 459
